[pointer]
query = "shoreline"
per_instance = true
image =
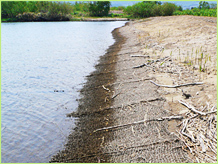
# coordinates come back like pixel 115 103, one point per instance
pixel 83 145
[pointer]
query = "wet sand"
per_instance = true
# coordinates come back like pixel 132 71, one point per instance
pixel 120 92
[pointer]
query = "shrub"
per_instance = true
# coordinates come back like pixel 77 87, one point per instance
pixel 168 9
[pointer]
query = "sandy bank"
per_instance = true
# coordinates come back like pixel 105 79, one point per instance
pixel 168 51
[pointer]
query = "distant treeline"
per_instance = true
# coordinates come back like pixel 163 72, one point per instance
pixel 10 9
pixel 52 9
pixel 156 8
pixel 44 10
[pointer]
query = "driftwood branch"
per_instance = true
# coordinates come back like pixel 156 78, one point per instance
pixel 141 56
pixel 142 65
pixel 184 142
pixel 176 86
pixel 202 143
pixel 183 131
pixel 194 110
pixel 140 122
pixel 115 95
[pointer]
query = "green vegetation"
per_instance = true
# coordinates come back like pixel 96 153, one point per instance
pixel 151 8
pixel 99 8
pixel 10 9
pixel 204 9
pixel 117 8
pixel 198 12
pixel 44 10
pixel 155 8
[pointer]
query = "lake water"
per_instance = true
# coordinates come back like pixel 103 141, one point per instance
pixel 38 58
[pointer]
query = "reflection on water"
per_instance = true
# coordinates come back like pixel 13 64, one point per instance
pixel 37 59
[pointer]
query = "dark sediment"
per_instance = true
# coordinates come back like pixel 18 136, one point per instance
pixel 84 145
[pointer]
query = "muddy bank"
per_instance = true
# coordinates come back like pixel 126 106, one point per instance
pixel 93 111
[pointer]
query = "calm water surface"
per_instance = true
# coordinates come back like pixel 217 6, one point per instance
pixel 36 59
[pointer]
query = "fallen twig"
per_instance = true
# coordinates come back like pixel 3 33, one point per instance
pixel 183 131
pixel 140 122
pixel 140 56
pixel 184 142
pixel 194 110
pixel 202 143
pixel 211 148
pixel 176 86
pixel 105 88
pixel 142 65
pixel 115 95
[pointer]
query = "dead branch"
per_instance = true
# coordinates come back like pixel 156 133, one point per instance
pixel 184 142
pixel 211 148
pixel 183 131
pixel 141 56
pixel 142 65
pixel 105 88
pixel 176 86
pixel 194 110
pixel 140 122
pixel 202 143
pixel 115 95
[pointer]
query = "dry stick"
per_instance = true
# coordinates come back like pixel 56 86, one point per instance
pixel 140 56
pixel 140 122
pixel 184 142
pixel 194 110
pixel 176 86
pixel 105 88
pixel 185 134
pixel 211 149
pixel 140 66
pixel 115 95
pixel 201 143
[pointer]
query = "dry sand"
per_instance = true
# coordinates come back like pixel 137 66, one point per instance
pixel 171 51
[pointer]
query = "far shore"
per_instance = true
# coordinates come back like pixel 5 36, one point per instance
pixel 86 19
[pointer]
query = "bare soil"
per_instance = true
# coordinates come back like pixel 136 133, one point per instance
pixel 171 51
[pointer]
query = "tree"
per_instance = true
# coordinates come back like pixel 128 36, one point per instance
pixel 154 2
pixel 168 9
pixel 99 8
pixel 204 5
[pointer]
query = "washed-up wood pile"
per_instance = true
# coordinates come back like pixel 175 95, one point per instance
pixel 198 128
pixel 198 131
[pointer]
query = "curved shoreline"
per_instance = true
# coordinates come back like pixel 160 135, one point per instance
pixel 93 111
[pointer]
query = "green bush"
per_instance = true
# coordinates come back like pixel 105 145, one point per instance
pixel 168 9
pixel 157 10
pixel 99 8
pixel 198 12
pixel 10 9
